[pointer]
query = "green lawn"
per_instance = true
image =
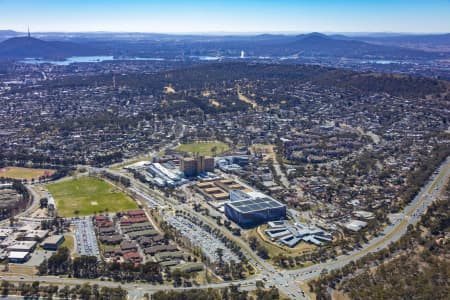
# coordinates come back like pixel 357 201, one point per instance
pixel 88 196
pixel 68 242
pixel 203 148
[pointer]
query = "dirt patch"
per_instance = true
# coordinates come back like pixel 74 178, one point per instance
pixel 18 269
pixel 337 295
pixel 25 173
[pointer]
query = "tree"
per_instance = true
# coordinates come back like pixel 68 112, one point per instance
pixel 219 252
pixel 35 287
pixel 43 202
pixel 176 276
pixel 85 292
pixel 5 288
pixel 259 284
pixel 59 262
pixel 262 252
pixel 64 292
pixel 6 268
pixel 253 242
pixel 214 150
pixel 43 267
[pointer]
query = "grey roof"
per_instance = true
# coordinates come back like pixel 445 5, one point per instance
pixel 257 204
pixel 290 241
pixel 54 239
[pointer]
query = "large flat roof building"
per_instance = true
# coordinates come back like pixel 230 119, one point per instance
pixel 290 235
pixel 253 211
pixel 237 195
pixel 164 176
pixel 35 235
pixel 22 246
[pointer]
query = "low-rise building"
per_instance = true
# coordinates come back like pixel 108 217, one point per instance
pixel 132 256
pixel 22 246
pixel 18 256
pixel 290 235
pixel 355 225
pixel 5 232
pixel 53 242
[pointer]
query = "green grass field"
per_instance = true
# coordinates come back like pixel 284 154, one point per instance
pixel 203 148
pixel 24 173
pixel 88 196
pixel 69 242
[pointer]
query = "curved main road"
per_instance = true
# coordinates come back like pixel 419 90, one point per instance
pixel 391 233
pixel 287 280
pixel 32 207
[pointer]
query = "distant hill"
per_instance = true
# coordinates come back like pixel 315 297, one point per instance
pixel 7 34
pixel 319 44
pixel 216 73
pixel 314 44
pixel 23 47
pixel 412 38
pixel 433 42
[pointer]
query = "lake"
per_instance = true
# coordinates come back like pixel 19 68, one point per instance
pixel 84 59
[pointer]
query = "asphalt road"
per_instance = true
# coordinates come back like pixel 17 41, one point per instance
pixel 392 233
pixel 34 204
pixel 286 280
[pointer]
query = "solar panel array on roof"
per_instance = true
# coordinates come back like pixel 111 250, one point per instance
pixel 273 204
pixel 257 204
pixel 250 212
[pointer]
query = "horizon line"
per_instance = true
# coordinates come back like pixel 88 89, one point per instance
pixel 219 32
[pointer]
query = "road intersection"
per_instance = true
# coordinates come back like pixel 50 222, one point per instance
pixel 287 281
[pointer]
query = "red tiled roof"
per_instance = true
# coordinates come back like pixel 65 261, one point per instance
pixel 133 220
pixel 136 212
pixel 131 255
pixel 101 218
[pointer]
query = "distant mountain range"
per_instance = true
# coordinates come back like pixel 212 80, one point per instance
pixel 23 47
pixel 316 44
pixel 62 45
pixel 439 42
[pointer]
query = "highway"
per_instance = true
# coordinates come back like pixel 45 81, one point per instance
pixel 411 215
pixel 286 280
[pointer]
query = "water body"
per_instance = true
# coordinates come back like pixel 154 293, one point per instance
pixel 207 58
pixel 85 59
pixel 381 62
pixel 96 59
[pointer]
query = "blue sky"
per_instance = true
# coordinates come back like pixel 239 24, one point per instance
pixel 227 16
